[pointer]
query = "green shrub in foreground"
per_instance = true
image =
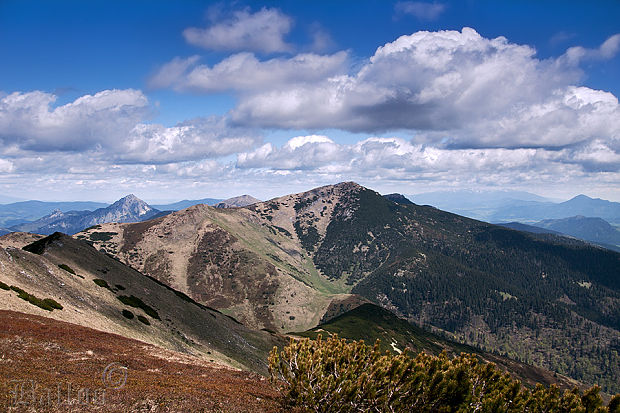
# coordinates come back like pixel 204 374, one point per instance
pixel 127 314
pixel 102 283
pixel 334 375
pixel 144 320
pixel 48 304
pixel 135 302
pixel 66 268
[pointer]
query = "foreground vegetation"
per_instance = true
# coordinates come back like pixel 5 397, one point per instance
pixel 57 367
pixel 48 304
pixel 334 375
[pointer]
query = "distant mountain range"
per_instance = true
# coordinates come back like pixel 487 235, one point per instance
pixel 514 206
pixel 69 217
pixel 127 209
pixel 4 199
pixel 186 203
pixel 530 212
pixel 594 230
pixel 475 204
pixel 27 211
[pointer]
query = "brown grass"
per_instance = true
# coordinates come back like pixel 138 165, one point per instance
pixel 52 354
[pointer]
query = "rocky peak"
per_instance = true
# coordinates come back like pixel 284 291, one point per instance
pixel 132 204
pixel 57 213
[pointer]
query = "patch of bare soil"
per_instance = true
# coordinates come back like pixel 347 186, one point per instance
pixel 52 366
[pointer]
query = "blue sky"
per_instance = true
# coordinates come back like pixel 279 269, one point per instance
pixel 194 99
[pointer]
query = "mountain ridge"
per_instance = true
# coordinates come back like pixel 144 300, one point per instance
pixel 591 229
pixel 186 203
pixel 97 291
pixel 283 262
pixel 508 206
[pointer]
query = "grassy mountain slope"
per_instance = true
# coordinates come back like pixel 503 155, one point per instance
pixel 232 259
pixel 98 291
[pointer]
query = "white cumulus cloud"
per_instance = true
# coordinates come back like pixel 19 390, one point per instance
pixel 29 120
pixel 111 125
pixel 262 31
pixel 190 140
pixel 244 72
pixel 299 153
pixel 6 166
pixel 607 50
pixel 397 159
pixel 453 87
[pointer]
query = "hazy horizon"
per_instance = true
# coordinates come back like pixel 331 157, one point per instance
pixel 163 201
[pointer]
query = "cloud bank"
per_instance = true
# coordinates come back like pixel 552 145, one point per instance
pixel 455 87
pixel 110 125
pixel 449 107
pixel 452 88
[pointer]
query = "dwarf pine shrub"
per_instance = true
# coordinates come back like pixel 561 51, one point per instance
pixel 48 304
pixel 334 375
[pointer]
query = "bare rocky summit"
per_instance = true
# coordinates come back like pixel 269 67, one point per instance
pixel 238 201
